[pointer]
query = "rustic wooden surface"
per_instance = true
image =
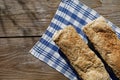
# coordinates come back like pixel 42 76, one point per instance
pixel 21 24
pixel 17 64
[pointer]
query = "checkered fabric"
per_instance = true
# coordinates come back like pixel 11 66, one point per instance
pixel 69 12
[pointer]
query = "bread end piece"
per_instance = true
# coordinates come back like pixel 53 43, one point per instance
pixel 84 60
pixel 105 42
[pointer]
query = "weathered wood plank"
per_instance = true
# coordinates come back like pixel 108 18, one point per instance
pixel 32 17
pixel 26 17
pixel 17 64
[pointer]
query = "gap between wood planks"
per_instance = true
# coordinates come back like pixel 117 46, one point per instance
pixel 20 36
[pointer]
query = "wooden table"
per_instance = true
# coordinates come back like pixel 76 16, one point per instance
pixel 22 22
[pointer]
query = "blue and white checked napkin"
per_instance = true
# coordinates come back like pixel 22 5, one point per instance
pixel 70 12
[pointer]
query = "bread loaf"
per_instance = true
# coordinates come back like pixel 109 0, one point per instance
pixel 105 42
pixel 84 60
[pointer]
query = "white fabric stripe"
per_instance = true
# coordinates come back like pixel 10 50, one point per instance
pixel 117 30
pixel 67 18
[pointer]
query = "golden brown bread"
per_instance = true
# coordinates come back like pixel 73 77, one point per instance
pixel 105 42
pixel 84 60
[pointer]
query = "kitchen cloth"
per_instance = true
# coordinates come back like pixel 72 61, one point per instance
pixel 69 12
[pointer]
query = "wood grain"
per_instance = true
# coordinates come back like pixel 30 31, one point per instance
pixel 26 17
pixel 30 18
pixel 17 64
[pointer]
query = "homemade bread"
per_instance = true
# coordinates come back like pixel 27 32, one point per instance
pixel 84 60
pixel 105 42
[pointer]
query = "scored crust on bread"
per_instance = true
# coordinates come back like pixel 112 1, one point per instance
pixel 83 60
pixel 105 42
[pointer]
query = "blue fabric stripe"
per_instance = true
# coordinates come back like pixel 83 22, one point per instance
pixel 47 58
pixel 80 31
pixel 54 59
pixel 50 34
pixel 55 26
pixel 48 44
pixel 62 20
pixel 81 10
pixel 69 23
pixel 72 15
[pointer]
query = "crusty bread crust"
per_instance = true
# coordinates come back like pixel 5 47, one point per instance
pixel 105 42
pixel 84 60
